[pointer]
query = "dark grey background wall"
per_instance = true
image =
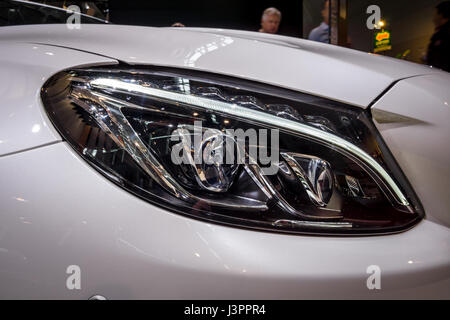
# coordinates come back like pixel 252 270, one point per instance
pixel 232 14
pixel 410 23
pixel 408 20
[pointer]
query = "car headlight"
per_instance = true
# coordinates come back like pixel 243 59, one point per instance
pixel 233 151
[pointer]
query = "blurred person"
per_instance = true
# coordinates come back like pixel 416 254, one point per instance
pixel 438 54
pixel 270 20
pixel 321 33
pixel 178 24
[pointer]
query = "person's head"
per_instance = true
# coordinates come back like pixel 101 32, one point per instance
pixel 270 20
pixel 178 24
pixel 442 13
pixel 326 12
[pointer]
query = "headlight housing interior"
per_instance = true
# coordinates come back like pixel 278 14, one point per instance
pixel 233 151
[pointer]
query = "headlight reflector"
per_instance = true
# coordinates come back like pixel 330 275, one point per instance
pixel 233 151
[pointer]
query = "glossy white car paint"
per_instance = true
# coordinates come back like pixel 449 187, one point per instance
pixel 417 130
pixel 338 73
pixel 24 68
pixel 58 211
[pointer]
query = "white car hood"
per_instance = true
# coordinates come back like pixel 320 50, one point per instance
pixel 329 71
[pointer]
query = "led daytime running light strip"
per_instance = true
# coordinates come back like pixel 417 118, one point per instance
pixel 250 114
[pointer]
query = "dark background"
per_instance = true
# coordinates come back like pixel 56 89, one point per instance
pixel 409 21
pixel 229 14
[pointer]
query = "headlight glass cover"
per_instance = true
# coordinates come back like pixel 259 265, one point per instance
pixel 233 151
